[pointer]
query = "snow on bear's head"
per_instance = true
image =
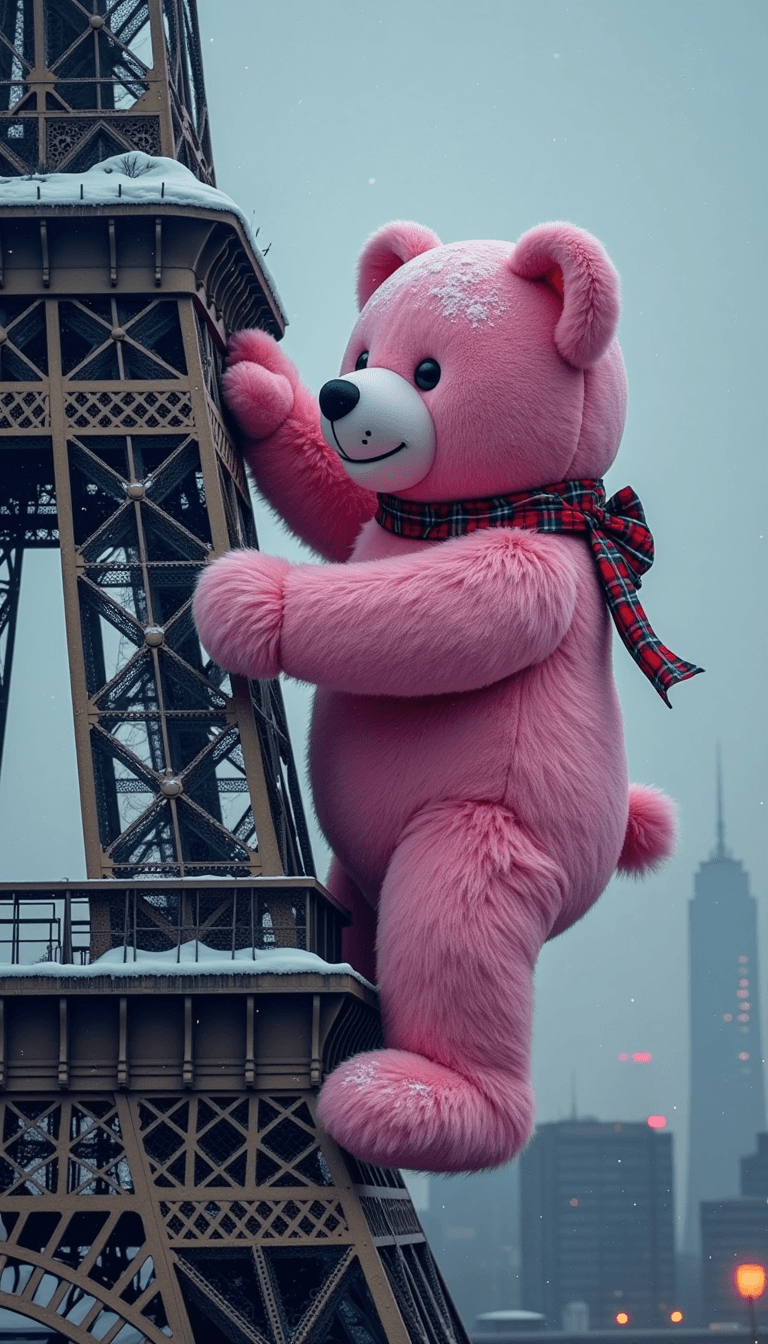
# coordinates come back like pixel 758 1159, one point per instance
pixel 479 368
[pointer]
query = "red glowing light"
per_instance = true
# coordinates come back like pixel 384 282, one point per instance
pixel 623 1056
pixel 744 1054
pixel 727 1017
pixel 742 993
pixel 656 1121
pixel 642 1057
pixel 743 1017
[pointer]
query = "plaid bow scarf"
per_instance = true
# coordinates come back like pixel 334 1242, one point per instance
pixel 621 542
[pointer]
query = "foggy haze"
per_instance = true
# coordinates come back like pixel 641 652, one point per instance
pixel 644 123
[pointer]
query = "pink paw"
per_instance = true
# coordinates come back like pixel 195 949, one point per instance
pixel 259 400
pixel 239 612
pixel 397 1109
pixel 651 834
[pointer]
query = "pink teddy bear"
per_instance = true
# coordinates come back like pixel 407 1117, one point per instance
pixel 467 756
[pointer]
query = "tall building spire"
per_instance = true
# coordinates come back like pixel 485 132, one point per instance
pixel 720 850
pixel 727 1101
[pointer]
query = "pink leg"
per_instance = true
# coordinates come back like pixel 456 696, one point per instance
pixel 466 904
pixel 358 941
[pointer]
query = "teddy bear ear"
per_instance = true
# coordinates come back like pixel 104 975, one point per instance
pixel 576 265
pixel 388 249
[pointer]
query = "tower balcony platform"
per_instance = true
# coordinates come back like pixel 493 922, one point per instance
pixel 177 984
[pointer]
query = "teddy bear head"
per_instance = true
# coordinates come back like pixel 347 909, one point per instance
pixel 479 368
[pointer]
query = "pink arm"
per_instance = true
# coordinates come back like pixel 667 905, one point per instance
pixel 292 465
pixel 459 616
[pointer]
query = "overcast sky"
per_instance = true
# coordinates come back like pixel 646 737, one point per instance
pixel 645 123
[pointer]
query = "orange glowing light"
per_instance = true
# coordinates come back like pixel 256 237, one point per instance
pixel 676 1316
pixel 656 1121
pixel 750 1280
pixel 642 1057
pixel 622 1318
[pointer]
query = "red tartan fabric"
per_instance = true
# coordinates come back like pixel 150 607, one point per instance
pixel 620 539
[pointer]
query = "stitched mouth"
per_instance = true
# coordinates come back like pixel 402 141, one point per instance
pixel 363 461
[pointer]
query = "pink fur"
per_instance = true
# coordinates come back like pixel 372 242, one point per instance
pixel 399 629
pixel 465 906
pixel 388 249
pixel 651 835
pixel 239 612
pixel 466 756
pixel 296 472
pixel 585 277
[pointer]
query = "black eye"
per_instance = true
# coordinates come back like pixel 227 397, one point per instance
pixel 427 374
pixel 362 360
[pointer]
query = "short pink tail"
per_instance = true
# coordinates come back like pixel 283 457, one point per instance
pixel 651 836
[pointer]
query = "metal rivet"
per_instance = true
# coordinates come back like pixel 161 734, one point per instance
pixel 171 786
pixel 135 490
pixel 96 21
pixel 118 333
pixel 154 636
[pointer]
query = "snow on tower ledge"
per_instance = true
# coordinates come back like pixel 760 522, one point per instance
pixel 127 179
pixel 191 958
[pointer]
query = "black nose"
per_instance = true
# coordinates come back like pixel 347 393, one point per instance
pixel 337 398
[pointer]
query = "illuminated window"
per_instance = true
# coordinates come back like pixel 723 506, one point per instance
pixel 742 993
pixel 656 1121
pixel 744 1054
pixel 743 1017
pixel 744 984
pixel 743 960
pixel 642 1057
pixel 727 1017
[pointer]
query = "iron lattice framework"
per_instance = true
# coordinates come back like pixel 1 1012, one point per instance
pixel 162 1174
pixel 115 447
pixel 81 80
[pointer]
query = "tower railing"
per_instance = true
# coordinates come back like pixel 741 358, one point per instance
pixel 73 924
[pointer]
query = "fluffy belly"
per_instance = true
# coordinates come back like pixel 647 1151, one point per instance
pixel 376 761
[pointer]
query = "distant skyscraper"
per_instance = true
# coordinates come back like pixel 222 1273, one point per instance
pixel 727 1098
pixel 597 1222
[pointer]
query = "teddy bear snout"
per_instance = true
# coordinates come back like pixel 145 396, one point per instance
pixel 337 398
pixel 380 426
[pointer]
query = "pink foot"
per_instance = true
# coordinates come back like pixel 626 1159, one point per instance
pixel 398 1109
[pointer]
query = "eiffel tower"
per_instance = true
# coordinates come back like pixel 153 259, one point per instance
pixel 166 1022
